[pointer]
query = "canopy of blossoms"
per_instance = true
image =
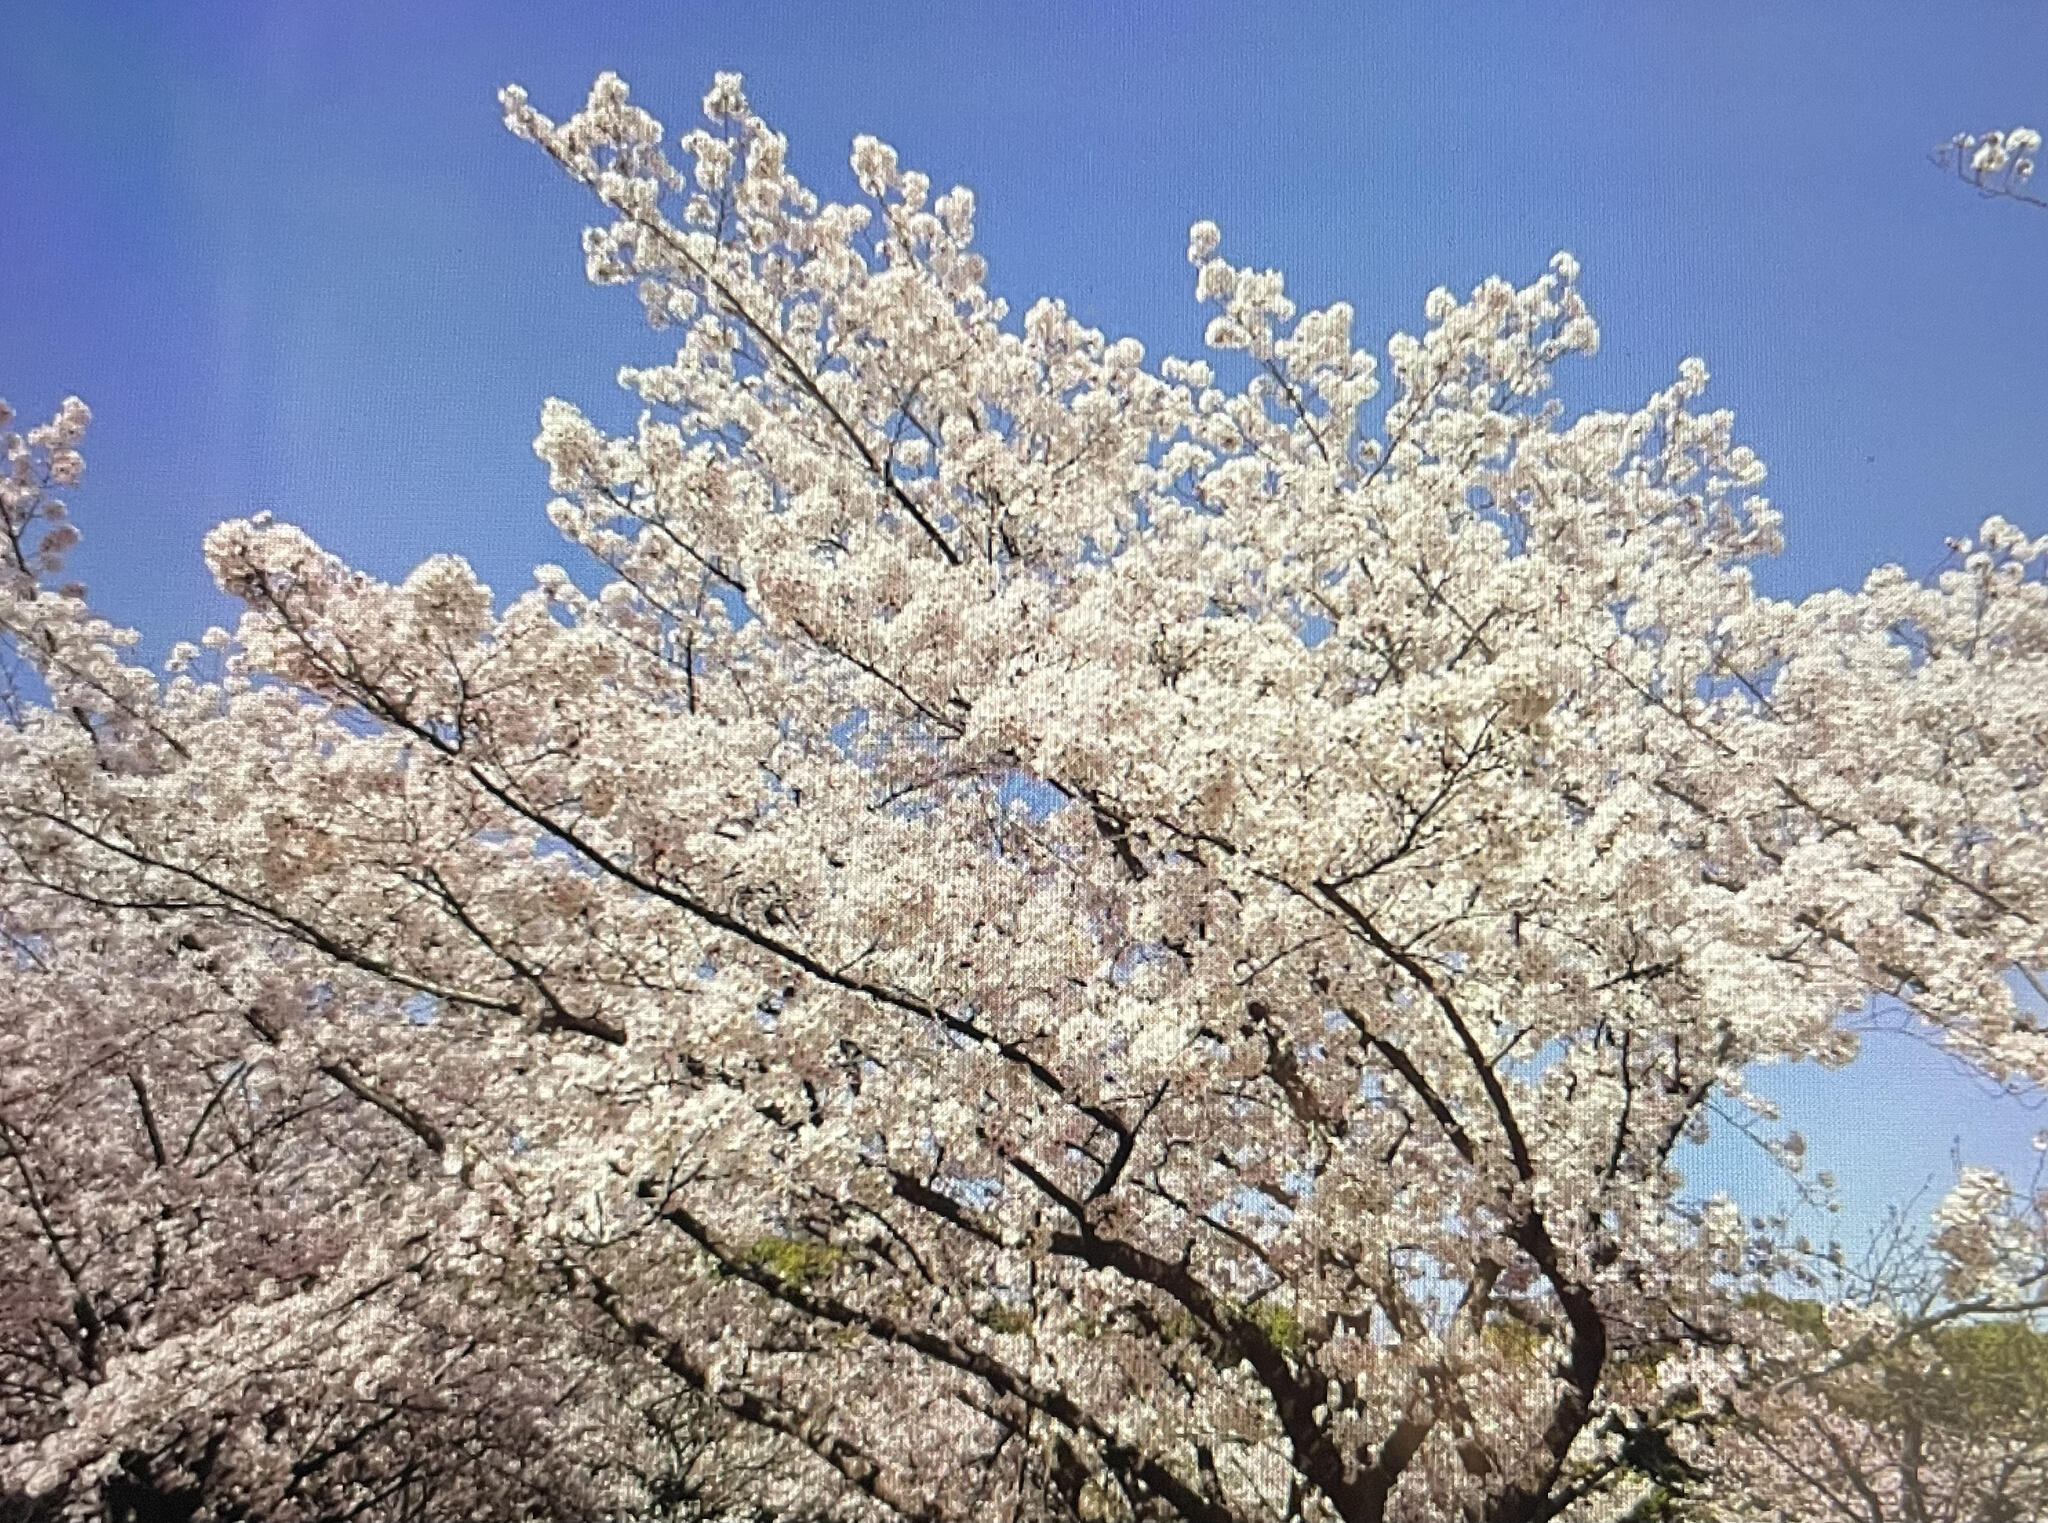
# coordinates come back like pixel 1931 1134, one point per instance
pixel 1024 933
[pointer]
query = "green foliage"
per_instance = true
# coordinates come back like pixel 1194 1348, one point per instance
pixel 1807 1317
pixel 1987 1373
pixel 1658 1505
pixel 1521 1343
pixel 1980 1372
pixel 1278 1324
pixel 1004 1319
pixel 793 1260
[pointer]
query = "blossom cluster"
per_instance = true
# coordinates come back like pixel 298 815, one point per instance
pixel 1999 162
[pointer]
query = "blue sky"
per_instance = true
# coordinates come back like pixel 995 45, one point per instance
pixel 292 260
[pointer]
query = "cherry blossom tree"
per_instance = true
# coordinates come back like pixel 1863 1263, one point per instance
pixel 223 1284
pixel 1026 934
pixel 1911 1386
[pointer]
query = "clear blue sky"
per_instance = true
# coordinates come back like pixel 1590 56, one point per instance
pixel 292 260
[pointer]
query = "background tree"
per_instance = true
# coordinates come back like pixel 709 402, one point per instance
pixel 1913 1385
pixel 226 1287
pixel 1062 939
